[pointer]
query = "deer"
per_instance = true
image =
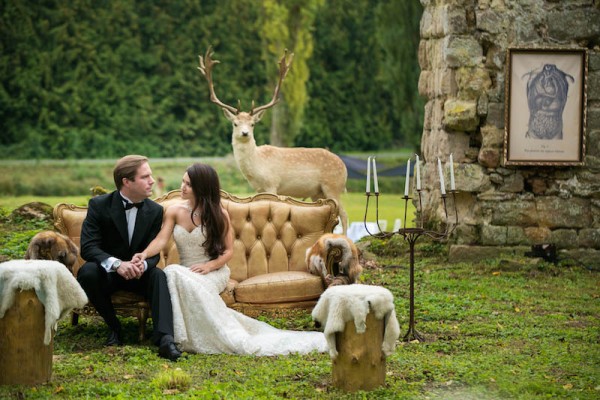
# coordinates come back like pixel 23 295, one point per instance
pixel 300 172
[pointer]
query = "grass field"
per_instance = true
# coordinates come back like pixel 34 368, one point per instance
pixel 503 328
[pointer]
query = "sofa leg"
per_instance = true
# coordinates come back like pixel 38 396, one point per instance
pixel 74 318
pixel 142 318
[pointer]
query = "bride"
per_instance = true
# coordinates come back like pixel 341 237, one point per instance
pixel 204 238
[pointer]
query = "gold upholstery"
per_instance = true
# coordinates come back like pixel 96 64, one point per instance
pixel 268 268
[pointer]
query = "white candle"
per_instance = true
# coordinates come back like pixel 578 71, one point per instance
pixel 375 180
pixel 442 188
pixel 418 173
pixel 452 185
pixel 407 183
pixel 368 190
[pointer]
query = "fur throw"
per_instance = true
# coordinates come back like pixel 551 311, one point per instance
pixel 340 304
pixel 54 285
pixel 345 268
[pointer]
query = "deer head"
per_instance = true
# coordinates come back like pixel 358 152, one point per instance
pixel 243 122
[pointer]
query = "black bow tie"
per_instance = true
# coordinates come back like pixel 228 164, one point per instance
pixel 129 205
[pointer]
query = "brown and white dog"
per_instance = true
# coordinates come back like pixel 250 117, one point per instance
pixel 50 245
pixel 345 269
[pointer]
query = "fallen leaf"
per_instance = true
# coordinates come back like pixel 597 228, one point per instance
pixel 58 389
pixel 496 273
pixel 568 386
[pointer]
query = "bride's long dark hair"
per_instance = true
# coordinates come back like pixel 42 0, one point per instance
pixel 207 199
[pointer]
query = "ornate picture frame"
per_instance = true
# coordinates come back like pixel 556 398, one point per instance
pixel 545 113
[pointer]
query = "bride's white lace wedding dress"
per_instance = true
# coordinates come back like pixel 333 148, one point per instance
pixel 204 324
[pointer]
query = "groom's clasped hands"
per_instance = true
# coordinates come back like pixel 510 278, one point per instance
pixel 131 269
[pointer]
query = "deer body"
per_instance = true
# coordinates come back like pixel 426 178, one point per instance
pixel 313 173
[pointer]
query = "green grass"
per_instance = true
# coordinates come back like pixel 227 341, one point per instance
pixel 506 328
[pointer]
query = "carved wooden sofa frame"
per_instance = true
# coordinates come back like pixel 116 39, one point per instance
pixel 268 268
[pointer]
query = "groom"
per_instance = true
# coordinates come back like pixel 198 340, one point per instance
pixel 118 225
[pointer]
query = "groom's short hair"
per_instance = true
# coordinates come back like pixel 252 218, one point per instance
pixel 127 167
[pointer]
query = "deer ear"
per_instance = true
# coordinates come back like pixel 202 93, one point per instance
pixel 228 114
pixel 256 117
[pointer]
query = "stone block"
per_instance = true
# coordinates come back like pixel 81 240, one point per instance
pixel 594 61
pixel 445 82
pixel 538 235
pixel 489 157
pixel 460 115
pixel 514 212
pixel 589 238
pixel 472 82
pixel 586 27
pixel 515 235
pixel 538 186
pixel 423 55
pixel 454 20
pixel 466 234
pixel 585 184
pixel 462 51
pixel 593 86
pixel 471 178
pixel 491 21
pixel 589 258
pixel 513 183
pixel 593 143
pixel 492 235
pixel 555 212
pixel 492 136
pixel 425 84
pixel 564 238
pixel 482 105
pixel 495 115
pixel 593 118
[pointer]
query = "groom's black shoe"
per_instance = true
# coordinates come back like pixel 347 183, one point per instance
pixel 167 348
pixel 113 339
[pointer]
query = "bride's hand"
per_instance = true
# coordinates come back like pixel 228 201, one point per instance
pixel 200 268
pixel 138 258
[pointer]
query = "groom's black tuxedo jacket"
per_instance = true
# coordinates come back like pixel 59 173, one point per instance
pixel 104 230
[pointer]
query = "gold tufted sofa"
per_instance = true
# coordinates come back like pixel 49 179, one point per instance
pixel 268 268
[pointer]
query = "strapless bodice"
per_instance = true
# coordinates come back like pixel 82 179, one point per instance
pixel 189 245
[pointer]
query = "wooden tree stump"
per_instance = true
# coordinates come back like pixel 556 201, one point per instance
pixel 24 358
pixel 360 364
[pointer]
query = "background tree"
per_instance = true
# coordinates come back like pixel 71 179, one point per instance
pixel 288 24
pixel 83 79
pixel 398 35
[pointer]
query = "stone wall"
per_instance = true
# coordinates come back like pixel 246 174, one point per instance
pixel 462 54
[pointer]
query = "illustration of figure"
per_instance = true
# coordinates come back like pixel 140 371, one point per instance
pixel 546 97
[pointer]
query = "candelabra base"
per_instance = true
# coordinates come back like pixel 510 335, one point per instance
pixel 412 335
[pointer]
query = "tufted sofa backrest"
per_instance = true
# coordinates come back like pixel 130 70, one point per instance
pixel 271 232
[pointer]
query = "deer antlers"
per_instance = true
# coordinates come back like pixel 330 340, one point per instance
pixel 206 64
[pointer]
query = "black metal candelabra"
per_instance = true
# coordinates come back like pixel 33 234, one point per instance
pixel 411 235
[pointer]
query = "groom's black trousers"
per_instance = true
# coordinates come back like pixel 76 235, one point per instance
pixel 99 285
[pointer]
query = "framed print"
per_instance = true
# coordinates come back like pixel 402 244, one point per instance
pixel 545 112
